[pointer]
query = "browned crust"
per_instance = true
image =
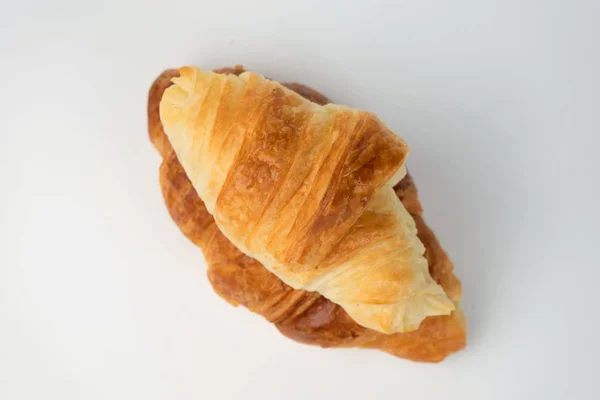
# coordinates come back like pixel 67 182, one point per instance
pixel 303 316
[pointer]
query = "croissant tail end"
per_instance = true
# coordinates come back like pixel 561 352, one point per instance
pixel 404 316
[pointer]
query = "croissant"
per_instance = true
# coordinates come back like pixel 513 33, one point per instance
pixel 303 316
pixel 305 189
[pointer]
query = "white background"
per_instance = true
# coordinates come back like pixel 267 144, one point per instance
pixel 101 297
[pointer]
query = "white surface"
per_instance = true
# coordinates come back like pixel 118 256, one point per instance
pixel 101 297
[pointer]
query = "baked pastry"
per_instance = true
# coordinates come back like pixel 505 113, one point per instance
pixel 305 189
pixel 304 316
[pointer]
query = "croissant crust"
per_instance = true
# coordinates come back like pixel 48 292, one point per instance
pixel 304 316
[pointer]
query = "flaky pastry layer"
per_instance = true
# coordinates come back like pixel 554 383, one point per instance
pixel 304 316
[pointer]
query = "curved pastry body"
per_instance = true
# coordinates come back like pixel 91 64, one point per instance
pixel 301 315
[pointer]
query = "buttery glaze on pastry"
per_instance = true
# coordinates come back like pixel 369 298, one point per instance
pixel 307 191
pixel 303 316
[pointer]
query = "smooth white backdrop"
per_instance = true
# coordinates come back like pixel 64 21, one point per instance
pixel 101 297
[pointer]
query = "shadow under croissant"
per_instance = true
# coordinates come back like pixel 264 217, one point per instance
pixel 306 317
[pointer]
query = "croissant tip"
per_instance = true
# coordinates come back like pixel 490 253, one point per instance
pixel 186 71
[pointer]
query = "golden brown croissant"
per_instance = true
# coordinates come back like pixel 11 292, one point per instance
pixel 303 316
pixel 305 189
